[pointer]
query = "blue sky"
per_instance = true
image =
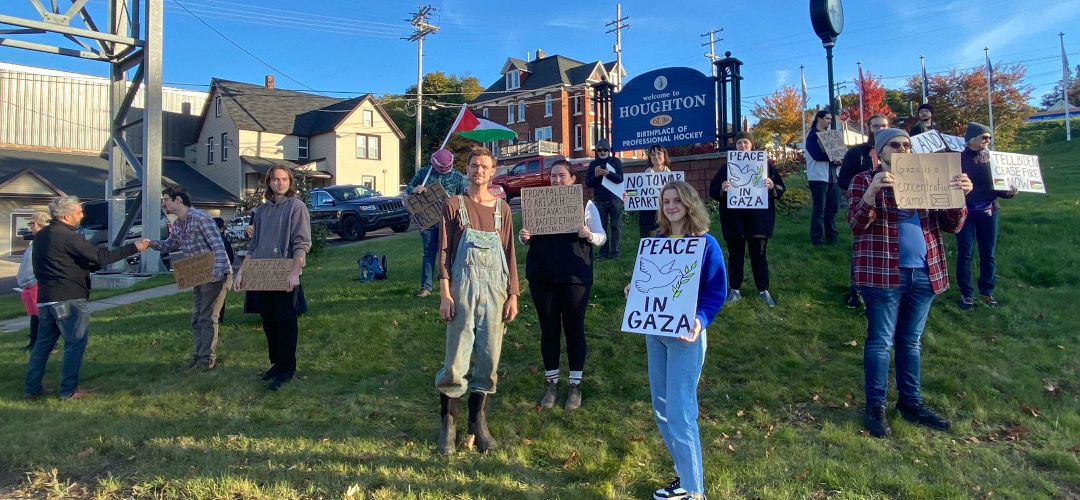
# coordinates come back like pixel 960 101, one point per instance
pixel 355 46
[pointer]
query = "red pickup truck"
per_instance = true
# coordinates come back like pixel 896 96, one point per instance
pixel 533 171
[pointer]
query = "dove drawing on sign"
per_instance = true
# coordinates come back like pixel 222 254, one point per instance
pixel 742 175
pixel 657 277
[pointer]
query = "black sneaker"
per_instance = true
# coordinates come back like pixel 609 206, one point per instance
pixel 966 303
pixel 853 301
pixel 876 423
pixel 922 415
pixel 989 301
pixel 672 492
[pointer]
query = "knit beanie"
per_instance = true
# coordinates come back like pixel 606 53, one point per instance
pixel 883 136
pixel 927 107
pixel 974 130
pixel 744 135
pixel 442 161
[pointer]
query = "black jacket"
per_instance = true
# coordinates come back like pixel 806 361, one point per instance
pixel 856 160
pixel 63 260
pixel 746 222
pixel 601 193
pixel 918 128
pixel 982 181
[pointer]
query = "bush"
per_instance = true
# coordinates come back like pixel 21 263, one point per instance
pixel 793 201
pixel 319 235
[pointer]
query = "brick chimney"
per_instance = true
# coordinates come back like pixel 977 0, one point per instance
pixel 540 54
pixel 269 81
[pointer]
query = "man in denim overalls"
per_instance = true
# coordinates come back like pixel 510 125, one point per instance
pixel 479 287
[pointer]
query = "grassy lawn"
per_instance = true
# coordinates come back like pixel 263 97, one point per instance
pixel 12 307
pixel 780 396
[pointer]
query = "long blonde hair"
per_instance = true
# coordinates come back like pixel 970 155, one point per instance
pixel 697 217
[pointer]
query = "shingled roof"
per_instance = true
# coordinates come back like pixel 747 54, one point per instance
pixel 282 111
pixel 545 72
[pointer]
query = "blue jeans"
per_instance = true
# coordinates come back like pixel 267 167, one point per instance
pixel 674 369
pixel 611 219
pixel 826 198
pixel 70 319
pixel 984 233
pixel 429 239
pixel 896 316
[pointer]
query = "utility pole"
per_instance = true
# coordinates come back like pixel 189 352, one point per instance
pixel 421 29
pixel 711 55
pixel 618 25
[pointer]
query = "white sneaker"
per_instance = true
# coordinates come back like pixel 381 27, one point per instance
pixel 733 297
pixel 672 492
pixel 767 298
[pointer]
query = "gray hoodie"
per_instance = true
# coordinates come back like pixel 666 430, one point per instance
pixel 282 230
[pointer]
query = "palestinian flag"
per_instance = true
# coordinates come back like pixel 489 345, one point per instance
pixel 479 129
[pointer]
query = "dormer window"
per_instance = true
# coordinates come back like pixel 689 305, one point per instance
pixel 513 79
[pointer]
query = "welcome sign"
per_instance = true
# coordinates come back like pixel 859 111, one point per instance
pixel 668 106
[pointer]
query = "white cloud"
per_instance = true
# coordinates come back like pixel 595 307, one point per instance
pixel 1018 28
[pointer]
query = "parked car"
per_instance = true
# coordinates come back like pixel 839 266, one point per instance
pixel 95 227
pixel 352 211
pixel 533 171
pixel 234 229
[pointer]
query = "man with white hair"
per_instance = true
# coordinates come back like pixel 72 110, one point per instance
pixel 62 261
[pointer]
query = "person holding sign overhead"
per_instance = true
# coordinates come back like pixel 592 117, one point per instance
pixel 981 227
pixel 196 233
pixel 453 182
pixel 560 274
pixel 899 268
pixel 478 282
pixel 822 174
pixel 675 362
pixel 609 204
pixel 746 228
pixel 657 161
pixel 282 231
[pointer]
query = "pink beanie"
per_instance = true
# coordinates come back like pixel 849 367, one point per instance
pixel 442 160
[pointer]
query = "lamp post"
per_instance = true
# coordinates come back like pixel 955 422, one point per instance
pixel 827 17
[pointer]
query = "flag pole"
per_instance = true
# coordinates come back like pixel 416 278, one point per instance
pixel 453 126
pixel 989 93
pixel 803 110
pixel 862 113
pixel 922 62
pixel 1065 86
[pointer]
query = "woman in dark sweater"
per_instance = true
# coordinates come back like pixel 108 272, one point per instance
pixel 560 274
pixel 744 228
pixel 982 220
pixel 657 161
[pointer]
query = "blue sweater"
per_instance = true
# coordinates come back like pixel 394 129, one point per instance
pixel 712 289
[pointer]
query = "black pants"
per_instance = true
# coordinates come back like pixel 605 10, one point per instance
pixel 759 263
pixel 278 311
pixel 34 322
pixel 561 304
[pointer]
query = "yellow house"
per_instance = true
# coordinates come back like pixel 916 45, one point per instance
pixel 245 129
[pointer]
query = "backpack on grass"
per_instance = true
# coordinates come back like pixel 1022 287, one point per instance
pixel 372 267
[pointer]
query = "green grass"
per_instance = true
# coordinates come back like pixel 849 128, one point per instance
pixel 11 305
pixel 780 395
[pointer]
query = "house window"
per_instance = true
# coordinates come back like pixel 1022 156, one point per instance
pixel 369 118
pixel 367 146
pixel 217 106
pixel 510 114
pixel 368 181
pixel 209 150
pixel 513 80
pixel 521 111
pixel 543 134
pixel 547 105
pixel 302 148
pixel 594 129
pixel 485 112
pixel 577 137
pixel 577 105
pixel 224 146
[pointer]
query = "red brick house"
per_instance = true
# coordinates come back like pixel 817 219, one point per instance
pixel 548 102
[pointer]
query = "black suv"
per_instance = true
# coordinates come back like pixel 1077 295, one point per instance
pixel 352 211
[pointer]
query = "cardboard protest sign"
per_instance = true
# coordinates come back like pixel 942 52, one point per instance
pixel 1011 170
pixel 194 271
pixel 426 208
pixel 265 274
pixel 747 171
pixel 928 142
pixel 832 141
pixel 642 191
pixel 664 290
pixel 924 180
pixel 552 209
pixel 954 143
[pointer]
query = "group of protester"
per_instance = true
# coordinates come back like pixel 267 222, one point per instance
pixel 898 267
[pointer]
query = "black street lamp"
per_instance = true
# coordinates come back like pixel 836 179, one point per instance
pixel 827 17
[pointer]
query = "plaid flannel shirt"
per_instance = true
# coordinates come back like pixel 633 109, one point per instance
pixel 876 252
pixel 196 234
pixel 453 182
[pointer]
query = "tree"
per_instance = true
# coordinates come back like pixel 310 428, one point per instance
pixel 959 97
pixel 780 114
pixel 1051 98
pixel 443 96
pixel 873 98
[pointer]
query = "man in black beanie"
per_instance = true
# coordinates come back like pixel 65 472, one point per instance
pixel 926 120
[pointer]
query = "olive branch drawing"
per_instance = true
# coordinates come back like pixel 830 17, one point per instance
pixel 687 274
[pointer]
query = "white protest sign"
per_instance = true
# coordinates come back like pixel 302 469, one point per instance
pixel 642 191
pixel 664 290
pixel 955 143
pixel 747 171
pixel 927 142
pixel 1011 170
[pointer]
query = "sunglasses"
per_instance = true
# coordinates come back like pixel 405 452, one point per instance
pixel 603 150
pixel 985 137
pixel 900 145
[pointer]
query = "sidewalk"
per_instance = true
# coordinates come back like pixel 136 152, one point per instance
pixel 23 322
